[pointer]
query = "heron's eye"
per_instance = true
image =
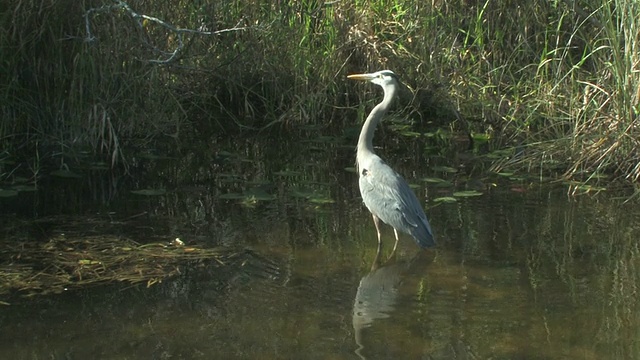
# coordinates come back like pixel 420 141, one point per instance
pixel 365 172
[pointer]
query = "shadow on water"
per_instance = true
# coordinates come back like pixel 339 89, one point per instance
pixel 520 272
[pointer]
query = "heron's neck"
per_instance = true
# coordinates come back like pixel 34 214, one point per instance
pixel 365 142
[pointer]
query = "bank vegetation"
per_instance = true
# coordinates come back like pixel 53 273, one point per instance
pixel 554 85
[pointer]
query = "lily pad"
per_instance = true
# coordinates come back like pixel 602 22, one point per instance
pixel 260 182
pixel 434 180
pixel 229 178
pixel 410 134
pixel 314 196
pixel 445 199
pixel 302 193
pixel 447 169
pixel 149 192
pixel 467 193
pixel 99 166
pixel 259 194
pixel 151 156
pixel 318 200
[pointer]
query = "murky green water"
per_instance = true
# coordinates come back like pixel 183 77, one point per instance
pixel 520 273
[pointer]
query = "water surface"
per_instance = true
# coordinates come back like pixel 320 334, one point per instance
pixel 520 272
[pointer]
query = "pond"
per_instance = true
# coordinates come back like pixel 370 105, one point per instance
pixel 520 270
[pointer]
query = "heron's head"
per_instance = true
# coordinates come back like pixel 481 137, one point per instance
pixel 383 78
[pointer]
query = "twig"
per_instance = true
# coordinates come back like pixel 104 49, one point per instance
pixel 180 32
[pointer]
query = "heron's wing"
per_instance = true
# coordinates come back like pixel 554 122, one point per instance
pixel 388 196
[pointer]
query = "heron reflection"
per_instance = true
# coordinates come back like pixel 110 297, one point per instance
pixel 376 297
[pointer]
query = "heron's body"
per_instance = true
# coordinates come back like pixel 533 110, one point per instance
pixel 384 192
pixel 388 196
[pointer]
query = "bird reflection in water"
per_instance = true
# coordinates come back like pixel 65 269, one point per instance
pixel 378 293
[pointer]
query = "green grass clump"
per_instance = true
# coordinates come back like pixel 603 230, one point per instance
pixel 557 81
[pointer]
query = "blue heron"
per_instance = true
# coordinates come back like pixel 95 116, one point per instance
pixel 384 192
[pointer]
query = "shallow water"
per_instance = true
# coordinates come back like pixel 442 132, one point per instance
pixel 521 272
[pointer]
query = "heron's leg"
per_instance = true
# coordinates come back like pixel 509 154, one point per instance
pixel 376 261
pixel 395 246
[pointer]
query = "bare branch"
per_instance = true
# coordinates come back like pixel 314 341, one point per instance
pixel 180 32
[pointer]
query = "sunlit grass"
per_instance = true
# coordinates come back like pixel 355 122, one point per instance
pixel 557 81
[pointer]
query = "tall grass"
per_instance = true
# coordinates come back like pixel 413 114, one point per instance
pixel 555 79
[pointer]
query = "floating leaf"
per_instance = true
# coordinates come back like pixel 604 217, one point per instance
pixel 65 174
pixel 410 133
pixel 438 182
pixel 321 200
pixel 250 196
pixel 443 184
pixel 98 166
pixel 467 193
pixel 313 196
pixel 434 180
pixel 149 192
pixel 447 169
pixel 258 194
pixel 302 193
pixel 445 199
pixel 8 193
pixel 229 178
pixel 262 182
pixel 150 156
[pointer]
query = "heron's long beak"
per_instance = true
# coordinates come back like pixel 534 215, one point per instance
pixel 365 77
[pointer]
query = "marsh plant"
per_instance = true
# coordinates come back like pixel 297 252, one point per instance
pixel 557 82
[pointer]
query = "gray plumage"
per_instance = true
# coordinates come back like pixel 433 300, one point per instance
pixel 384 192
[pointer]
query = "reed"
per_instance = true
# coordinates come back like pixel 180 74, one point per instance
pixel 554 79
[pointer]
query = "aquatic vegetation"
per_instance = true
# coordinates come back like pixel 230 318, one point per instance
pixel 550 89
pixel 75 260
